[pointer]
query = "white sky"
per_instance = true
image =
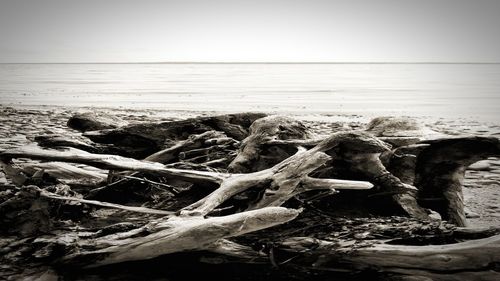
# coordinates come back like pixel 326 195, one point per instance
pixel 253 30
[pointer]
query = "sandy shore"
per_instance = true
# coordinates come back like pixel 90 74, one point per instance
pixel 19 126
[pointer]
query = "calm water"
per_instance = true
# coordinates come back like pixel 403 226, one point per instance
pixel 447 90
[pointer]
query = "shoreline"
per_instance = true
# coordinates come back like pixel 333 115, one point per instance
pixel 306 115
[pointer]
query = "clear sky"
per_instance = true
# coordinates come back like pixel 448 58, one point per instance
pixel 253 30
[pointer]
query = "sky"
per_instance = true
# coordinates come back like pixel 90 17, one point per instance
pixel 250 31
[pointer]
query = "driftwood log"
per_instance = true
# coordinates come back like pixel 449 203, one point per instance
pixel 437 168
pixel 273 139
pixel 471 260
pixel 277 169
pixel 145 139
pixel 91 121
pixel 280 183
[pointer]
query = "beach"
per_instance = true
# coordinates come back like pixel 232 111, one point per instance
pixel 450 100
pixel 20 125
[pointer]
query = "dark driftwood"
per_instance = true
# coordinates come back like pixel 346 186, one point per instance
pixel 92 121
pixel 256 151
pixel 204 144
pixel 440 171
pixel 437 168
pixel 148 138
pixel 54 141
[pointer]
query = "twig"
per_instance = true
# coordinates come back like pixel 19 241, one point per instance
pixel 144 210
pixel 170 188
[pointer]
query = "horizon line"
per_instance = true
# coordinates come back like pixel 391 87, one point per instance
pixel 262 62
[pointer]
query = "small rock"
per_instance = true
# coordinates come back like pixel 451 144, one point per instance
pixel 471 215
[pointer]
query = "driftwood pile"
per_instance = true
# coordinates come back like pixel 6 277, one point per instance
pixel 248 189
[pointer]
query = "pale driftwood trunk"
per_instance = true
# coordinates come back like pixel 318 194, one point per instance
pixel 471 260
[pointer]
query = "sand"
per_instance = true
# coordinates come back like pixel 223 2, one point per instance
pixel 19 126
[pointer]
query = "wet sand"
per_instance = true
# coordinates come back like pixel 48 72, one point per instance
pixel 20 125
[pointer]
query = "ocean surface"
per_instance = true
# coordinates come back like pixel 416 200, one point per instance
pixel 438 90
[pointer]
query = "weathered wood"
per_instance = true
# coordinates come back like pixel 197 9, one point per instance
pixel 471 259
pixel 358 156
pixel 440 170
pixel 112 162
pixel 178 234
pixel 208 138
pixel 91 121
pixel 347 153
pixel 437 168
pixel 285 178
pixel 67 173
pixel 56 141
pixel 274 138
pixel 148 138
pixel 400 131
pixel 50 195
pixel 257 152
pixel 283 181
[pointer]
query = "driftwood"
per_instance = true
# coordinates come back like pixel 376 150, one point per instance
pixel 278 177
pixel 437 168
pixel 91 121
pixel 400 131
pixel 148 138
pixel 277 164
pixel 110 162
pixel 54 141
pixel 67 173
pixel 273 139
pixel 195 146
pixel 471 260
pixel 278 189
pixel 256 152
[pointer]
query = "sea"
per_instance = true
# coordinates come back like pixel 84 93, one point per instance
pixel 448 90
